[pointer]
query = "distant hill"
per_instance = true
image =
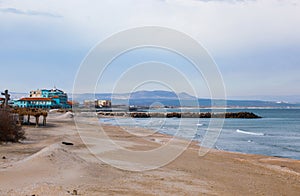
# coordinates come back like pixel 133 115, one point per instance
pixel 160 95
pixel 16 95
pixel 168 98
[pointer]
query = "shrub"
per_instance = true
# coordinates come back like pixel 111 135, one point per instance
pixel 10 131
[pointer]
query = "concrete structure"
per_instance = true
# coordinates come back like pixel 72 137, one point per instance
pixel 97 103
pixel 89 103
pixel 103 103
pixel 53 98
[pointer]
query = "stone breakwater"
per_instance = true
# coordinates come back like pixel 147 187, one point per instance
pixel 180 114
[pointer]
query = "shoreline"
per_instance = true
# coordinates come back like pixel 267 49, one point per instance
pixel 44 165
pixel 196 141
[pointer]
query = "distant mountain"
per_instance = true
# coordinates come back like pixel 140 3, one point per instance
pixel 16 95
pixel 159 95
pixel 186 96
pixel 153 95
pixel 168 98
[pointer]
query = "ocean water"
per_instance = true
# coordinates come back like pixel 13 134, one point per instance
pixel 276 134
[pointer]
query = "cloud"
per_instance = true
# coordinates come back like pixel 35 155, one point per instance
pixel 231 1
pixel 28 12
pixel 243 36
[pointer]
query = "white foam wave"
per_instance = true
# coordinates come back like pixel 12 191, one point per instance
pixel 249 133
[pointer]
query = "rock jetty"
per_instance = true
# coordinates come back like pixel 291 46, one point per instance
pixel 248 115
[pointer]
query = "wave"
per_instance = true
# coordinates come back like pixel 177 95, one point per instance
pixel 249 133
pixel 199 124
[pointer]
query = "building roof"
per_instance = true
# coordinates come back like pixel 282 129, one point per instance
pixel 56 90
pixel 70 102
pixel 35 99
pixel 2 99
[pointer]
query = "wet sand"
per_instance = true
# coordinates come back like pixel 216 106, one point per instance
pixel 42 165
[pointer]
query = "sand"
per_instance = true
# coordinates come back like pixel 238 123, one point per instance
pixel 42 165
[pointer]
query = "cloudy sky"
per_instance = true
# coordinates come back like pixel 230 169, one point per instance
pixel 256 44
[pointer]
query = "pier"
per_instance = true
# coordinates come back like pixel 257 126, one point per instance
pixel 21 112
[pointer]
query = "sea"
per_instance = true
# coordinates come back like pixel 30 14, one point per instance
pixel 277 133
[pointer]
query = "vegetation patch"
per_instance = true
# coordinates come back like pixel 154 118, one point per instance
pixel 10 131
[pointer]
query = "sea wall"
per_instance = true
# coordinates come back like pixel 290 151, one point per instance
pixel 180 114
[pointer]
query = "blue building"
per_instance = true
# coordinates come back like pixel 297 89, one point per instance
pixel 44 98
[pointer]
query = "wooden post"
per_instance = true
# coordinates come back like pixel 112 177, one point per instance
pixel 37 120
pixel 28 119
pixel 20 119
pixel 45 114
pixel 44 120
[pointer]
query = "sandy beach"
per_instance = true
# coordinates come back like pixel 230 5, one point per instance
pixel 42 165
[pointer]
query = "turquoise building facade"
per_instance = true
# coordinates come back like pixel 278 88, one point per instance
pixel 44 98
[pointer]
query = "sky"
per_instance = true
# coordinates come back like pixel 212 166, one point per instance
pixel 255 44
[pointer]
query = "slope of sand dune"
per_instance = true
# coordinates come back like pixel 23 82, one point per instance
pixel 65 115
pixel 42 165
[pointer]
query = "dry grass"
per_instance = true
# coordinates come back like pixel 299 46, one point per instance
pixel 10 131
